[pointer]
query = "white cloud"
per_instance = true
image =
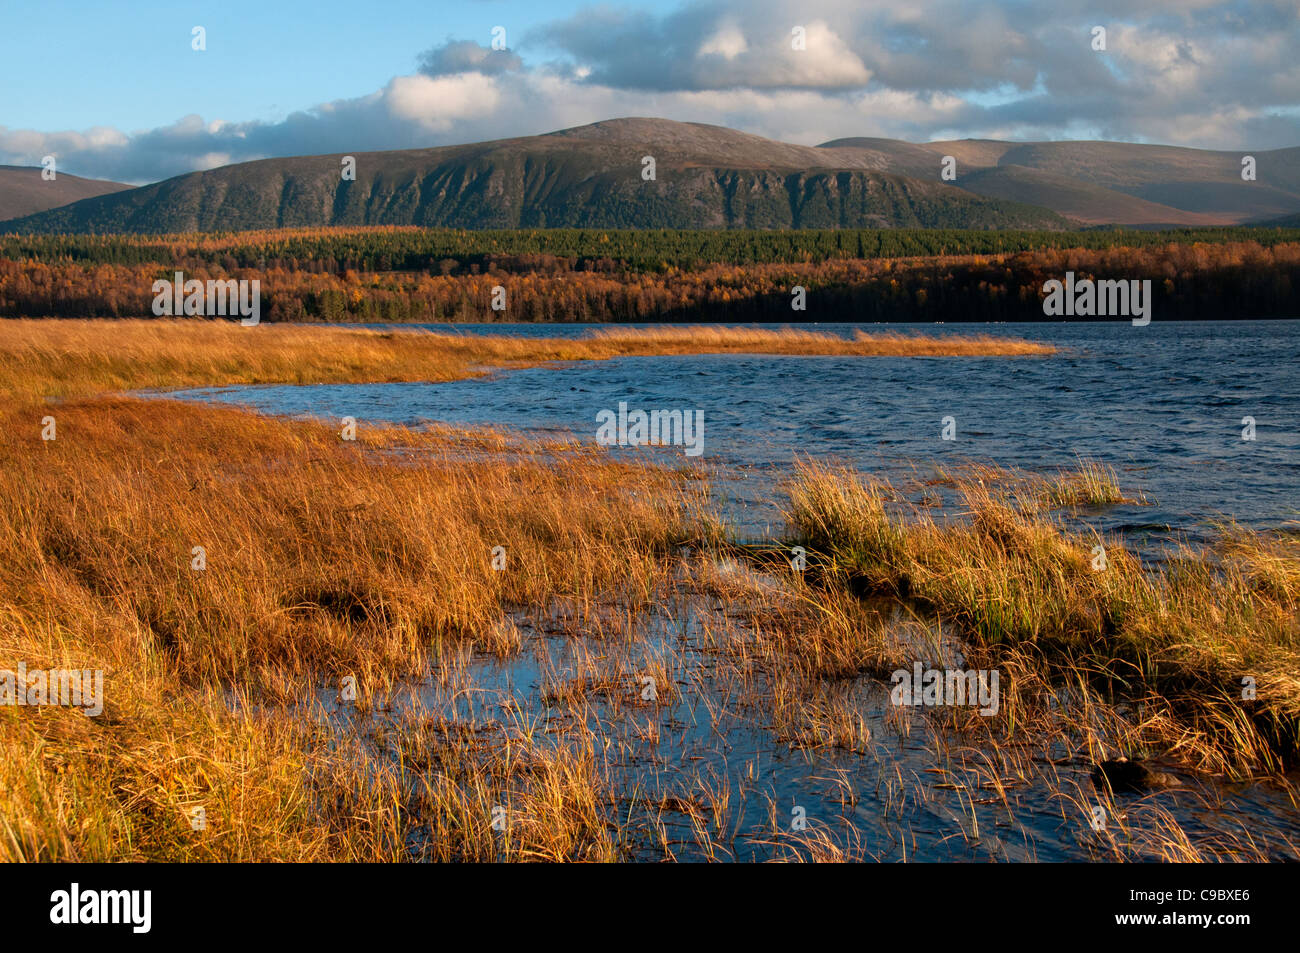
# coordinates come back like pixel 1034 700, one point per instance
pixel 1183 73
pixel 210 160
pixel 728 42
pixel 437 103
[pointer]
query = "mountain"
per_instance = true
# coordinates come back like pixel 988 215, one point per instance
pixel 591 176
pixel 1094 183
pixel 24 192
pixel 707 177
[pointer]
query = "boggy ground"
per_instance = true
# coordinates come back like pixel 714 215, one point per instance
pixel 628 685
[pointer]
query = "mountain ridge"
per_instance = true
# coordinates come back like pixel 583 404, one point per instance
pixel 705 176
pixel 24 191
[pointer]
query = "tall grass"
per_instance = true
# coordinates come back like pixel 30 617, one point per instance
pixel 1187 643
pixel 41 359
pixel 324 559
pixel 1089 484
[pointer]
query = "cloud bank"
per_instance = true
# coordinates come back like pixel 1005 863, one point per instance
pixel 1204 73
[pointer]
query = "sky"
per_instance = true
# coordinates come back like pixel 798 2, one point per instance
pixel 116 90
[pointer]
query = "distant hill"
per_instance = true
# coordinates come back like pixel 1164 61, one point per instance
pixel 24 192
pixel 1286 221
pixel 705 177
pixel 1095 183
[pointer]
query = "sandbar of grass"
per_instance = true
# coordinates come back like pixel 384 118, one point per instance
pixel 51 359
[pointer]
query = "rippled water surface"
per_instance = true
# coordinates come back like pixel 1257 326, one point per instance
pixel 1163 404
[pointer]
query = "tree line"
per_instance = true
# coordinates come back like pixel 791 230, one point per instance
pixel 1190 280
pixel 455 251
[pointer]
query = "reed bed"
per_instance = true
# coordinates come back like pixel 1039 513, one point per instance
pixel 1089 484
pixel 1208 650
pixel 43 359
pixel 322 560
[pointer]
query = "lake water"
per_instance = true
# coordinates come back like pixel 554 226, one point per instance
pixel 1163 404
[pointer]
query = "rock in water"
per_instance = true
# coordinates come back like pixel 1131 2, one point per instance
pixel 1124 775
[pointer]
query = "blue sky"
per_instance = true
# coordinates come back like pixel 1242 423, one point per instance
pixel 113 89
pixel 75 64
